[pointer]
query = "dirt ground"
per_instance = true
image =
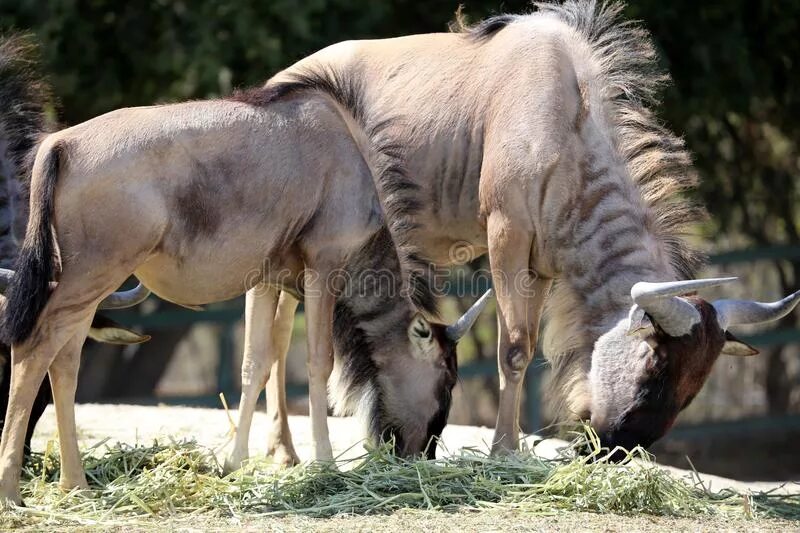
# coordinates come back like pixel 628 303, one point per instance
pixel 211 428
pixel 439 522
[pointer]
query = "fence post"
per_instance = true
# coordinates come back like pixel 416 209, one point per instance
pixel 533 393
pixel 225 381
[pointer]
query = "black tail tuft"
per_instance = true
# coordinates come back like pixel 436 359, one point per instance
pixel 30 288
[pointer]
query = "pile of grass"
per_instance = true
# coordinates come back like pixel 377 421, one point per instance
pixel 130 484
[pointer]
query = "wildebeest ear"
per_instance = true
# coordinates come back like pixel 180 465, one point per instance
pixel 420 333
pixel 106 330
pixel 734 346
pixel 640 323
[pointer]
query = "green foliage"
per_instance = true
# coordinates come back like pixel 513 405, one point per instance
pixel 105 54
pixel 736 97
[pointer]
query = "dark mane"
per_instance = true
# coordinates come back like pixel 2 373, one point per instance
pixel 366 315
pixel 354 346
pixel 484 29
pixel 264 95
pixel 399 196
pixel 656 158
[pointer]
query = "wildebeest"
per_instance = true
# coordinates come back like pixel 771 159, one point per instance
pixel 391 395
pixel 203 201
pixel 533 138
pixel 23 96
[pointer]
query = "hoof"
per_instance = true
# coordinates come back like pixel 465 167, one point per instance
pixel 503 446
pixel 284 456
pixel 76 483
pixel 68 486
pixel 323 456
pixel 9 501
pixel 232 464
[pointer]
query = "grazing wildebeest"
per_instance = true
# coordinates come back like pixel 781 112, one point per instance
pixel 533 138
pixel 203 201
pixel 23 97
pixel 390 395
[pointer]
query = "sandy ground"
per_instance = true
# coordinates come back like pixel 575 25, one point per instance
pixel 488 521
pixel 211 428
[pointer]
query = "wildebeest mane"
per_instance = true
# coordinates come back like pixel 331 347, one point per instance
pixel 364 317
pixel 354 346
pixel 264 95
pixel 482 30
pixel 656 160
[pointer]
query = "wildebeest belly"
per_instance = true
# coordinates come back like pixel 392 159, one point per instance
pixel 215 269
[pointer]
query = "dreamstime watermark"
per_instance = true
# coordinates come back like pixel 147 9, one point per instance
pixel 387 280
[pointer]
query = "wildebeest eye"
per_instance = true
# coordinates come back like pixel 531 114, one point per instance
pixel 422 332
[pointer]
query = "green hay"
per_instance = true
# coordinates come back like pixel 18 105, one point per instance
pixel 136 484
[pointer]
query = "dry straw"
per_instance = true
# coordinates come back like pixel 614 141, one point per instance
pixel 139 484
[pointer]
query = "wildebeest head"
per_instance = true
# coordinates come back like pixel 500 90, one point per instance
pixel 650 366
pixel 407 398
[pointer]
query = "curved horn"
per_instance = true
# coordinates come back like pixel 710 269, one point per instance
pixel 124 299
pixel 7 275
pixel 117 300
pixel 674 315
pixel 733 312
pixel 463 324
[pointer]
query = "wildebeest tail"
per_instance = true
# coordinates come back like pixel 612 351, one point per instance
pixel 35 267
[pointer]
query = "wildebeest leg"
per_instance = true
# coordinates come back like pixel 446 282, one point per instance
pixel 67 313
pixel 30 361
pixel 64 380
pixel 279 438
pixel 27 373
pixel 319 303
pixel 43 397
pixel 520 298
pixel 260 304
